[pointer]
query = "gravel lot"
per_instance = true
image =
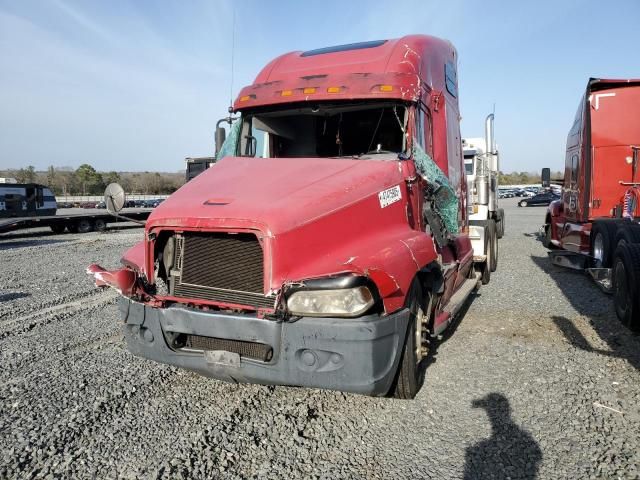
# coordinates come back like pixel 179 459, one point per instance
pixel 539 380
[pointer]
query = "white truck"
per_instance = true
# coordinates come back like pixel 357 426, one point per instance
pixel 481 163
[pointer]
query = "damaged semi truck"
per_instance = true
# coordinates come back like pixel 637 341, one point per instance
pixel 329 243
pixel 595 224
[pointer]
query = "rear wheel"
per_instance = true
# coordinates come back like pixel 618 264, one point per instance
pixel 500 222
pixel 84 226
pixel 626 284
pixel 627 233
pixel 523 203
pixel 408 379
pixel 100 225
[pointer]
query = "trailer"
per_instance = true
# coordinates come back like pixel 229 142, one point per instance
pixel 482 165
pixel 329 245
pixel 81 222
pixel 595 224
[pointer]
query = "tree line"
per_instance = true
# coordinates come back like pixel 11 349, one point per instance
pixel 86 180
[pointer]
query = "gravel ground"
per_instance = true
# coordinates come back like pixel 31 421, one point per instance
pixel 538 380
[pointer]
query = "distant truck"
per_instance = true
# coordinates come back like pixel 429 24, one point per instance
pixel 194 166
pixel 595 223
pixel 26 200
pixel 330 243
pixel 482 165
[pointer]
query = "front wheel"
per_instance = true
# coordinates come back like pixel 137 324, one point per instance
pixel 408 380
pixel 546 239
pixel 601 244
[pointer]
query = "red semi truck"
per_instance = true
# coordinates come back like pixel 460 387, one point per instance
pixel 595 223
pixel 329 244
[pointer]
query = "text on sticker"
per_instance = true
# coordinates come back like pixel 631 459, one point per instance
pixel 389 196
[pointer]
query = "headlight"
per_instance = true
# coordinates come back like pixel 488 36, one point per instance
pixel 346 302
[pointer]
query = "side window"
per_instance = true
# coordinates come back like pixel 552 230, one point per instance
pixel 451 78
pixel 574 169
pixel 428 131
pixel 420 128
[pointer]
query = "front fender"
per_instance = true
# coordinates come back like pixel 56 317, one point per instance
pixel 134 257
pixel 391 260
pixel 554 209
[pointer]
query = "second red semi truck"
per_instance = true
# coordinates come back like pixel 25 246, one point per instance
pixel 329 243
pixel 595 223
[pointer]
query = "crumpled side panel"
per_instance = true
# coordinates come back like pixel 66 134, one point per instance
pixel 229 145
pixel 446 201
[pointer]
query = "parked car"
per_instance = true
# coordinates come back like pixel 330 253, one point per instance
pixel 541 199
pixel 101 205
pixel 88 205
pixel 129 204
pixel 64 205
pixel 153 203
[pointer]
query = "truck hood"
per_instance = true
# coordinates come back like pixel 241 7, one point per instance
pixel 274 195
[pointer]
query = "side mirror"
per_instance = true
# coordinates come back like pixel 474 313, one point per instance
pixel 221 136
pixel 546 177
pixel 114 198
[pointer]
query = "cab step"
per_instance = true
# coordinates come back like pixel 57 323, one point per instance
pixel 456 302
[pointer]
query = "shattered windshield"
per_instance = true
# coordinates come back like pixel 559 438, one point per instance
pixel 362 130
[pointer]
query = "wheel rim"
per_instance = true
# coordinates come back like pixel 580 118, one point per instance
pixel 620 294
pixel 598 249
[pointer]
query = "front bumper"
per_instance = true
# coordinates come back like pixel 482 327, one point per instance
pixel 358 355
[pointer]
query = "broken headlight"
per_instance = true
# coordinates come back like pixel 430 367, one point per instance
pixel 344 302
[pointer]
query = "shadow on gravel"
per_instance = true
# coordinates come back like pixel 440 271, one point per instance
pixel 585 297
pixel 577 339
pixel 510 452
pixel 28 243
pixel 6 297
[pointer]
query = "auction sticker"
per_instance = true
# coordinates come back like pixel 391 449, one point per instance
pixel 389 196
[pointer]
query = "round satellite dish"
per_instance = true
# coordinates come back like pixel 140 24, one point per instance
pixel 114 197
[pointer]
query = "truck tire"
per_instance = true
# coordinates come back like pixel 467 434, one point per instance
pixel 408 379
pixel 84 226
pixel 501 222
pixel 602 244
pixel 492 234
pixel 625 277
pixel 57 228
pixel 485 268
pixel 627 233
pixel 546 239
pixel 99 225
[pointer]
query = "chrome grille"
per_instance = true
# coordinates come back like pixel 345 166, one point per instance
pixel 221 267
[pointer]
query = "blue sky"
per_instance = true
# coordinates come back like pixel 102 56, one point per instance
pixel 139 85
